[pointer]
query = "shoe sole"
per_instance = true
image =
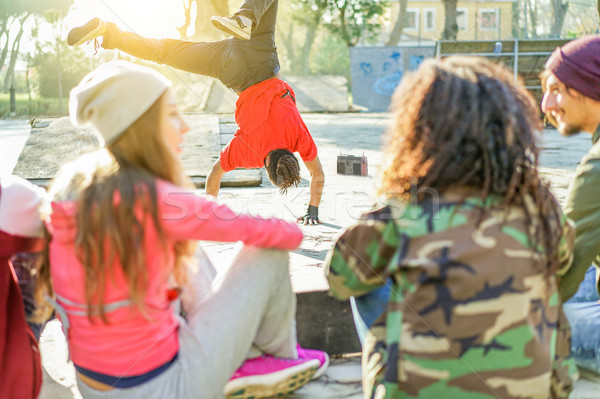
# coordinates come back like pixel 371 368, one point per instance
pixel 279 383
pixel 240 34
pixel 77 36
pixel 321 369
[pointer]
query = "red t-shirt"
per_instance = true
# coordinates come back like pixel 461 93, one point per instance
pixel 267 119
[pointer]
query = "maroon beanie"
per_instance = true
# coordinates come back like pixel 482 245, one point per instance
pixel 577 65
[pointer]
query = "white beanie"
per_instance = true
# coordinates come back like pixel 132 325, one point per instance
pixel 20 207
pixel 115 95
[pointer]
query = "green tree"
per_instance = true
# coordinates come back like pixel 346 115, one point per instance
pixel 331 57
pixel 73 67
pixel 19 11
pixel 299 38
pixel 353 20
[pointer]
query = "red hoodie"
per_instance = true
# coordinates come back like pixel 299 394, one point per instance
pixel 20 228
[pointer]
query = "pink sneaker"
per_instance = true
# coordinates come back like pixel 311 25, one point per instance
pixel 321 356
pixel 267 376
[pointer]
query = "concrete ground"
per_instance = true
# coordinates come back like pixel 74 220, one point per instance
pixel 344 199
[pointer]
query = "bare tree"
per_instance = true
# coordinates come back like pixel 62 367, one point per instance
pixel 399 25
pixel 306 13
pixel 14 52
pixel 187 12
pixel 559 11
pixel 21 10
pixel 533 20
pixel 5 32
pixel 203 29
pixel 450 25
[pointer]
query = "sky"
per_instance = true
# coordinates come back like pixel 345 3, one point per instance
pixel 154 18
pixel 151 18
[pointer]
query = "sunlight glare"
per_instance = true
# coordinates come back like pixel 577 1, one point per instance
pixel 153 18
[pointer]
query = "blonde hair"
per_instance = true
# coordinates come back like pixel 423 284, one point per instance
pixel 109 231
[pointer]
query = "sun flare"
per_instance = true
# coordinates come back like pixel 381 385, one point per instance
pixel 154 18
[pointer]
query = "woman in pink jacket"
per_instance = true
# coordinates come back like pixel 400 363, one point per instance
pixel 123 227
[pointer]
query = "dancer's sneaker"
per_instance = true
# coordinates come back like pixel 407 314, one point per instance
pixel 321 356
pixel 237 25
pixel 94 28
pixel 267 376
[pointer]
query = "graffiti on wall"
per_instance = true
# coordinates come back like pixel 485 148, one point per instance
pixel 377 71
pixel 393 71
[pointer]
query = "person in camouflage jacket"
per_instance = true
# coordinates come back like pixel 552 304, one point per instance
pixel 468 241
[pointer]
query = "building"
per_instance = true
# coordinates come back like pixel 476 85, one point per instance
pixel 477 19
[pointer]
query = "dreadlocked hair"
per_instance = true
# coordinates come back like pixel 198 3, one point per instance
pixel 283 169
pixel 463 122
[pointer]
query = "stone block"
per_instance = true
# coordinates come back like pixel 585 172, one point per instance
pixel 326 324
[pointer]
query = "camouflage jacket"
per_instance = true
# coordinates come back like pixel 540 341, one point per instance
pixel 472 312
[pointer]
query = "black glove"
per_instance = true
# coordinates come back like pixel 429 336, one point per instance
pixel 311 217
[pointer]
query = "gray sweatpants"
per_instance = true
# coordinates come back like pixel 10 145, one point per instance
pixel 233 313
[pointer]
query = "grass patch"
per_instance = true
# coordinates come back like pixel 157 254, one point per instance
pixel 36 107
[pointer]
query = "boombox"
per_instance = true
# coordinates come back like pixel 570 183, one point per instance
pixel 352 165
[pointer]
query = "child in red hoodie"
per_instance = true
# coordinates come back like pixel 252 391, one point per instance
pixel 20 233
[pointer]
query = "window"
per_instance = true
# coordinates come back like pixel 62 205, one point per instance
pixel 488 19
pixel 461 18
pixel 429 18
pixel 412 19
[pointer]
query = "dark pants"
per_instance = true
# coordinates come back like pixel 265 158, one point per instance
pixel 238 64
pixel 24 263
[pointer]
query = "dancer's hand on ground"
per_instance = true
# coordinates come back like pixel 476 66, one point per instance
pixel 311 217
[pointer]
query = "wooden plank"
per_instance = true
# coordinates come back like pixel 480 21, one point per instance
pixel 547 45
pixel 227 119
pixel 487 46
pixel 225 138
pixel 227 127
pixel 533 64
pixel 201 145
pixel 529 66
pixel 238 177
pixel 474 46
pixel 234 178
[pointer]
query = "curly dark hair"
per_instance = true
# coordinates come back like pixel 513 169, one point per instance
pixel 283 169
pixel 464 122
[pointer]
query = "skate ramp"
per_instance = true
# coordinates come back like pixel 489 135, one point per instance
pixel 313 94
pixel 55 141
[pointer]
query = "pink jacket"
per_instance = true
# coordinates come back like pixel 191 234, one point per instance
pixel 133 343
